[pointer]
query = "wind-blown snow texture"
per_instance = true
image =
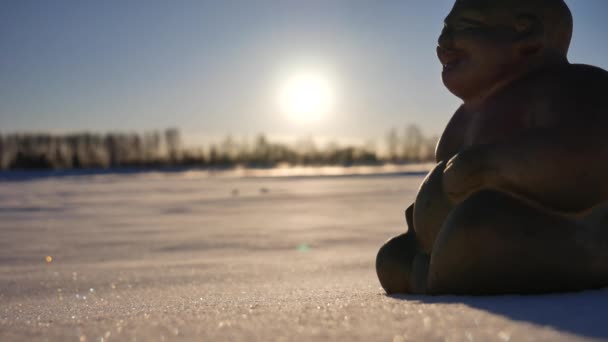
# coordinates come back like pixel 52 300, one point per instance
pixel 184 256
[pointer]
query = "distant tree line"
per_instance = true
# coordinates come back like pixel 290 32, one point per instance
pixel 410 146
pixel 163 149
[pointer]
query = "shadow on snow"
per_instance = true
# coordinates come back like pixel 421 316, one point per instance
pixel 581 313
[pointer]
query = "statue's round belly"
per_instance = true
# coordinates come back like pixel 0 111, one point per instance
pixel 431 208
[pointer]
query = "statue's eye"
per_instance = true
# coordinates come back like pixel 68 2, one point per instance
pixel 466 23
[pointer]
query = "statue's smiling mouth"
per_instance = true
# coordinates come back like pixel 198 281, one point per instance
pixel 450 58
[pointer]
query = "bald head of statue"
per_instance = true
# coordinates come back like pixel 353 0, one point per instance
pixel 485 44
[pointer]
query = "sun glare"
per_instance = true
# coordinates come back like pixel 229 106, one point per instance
pixel 306 97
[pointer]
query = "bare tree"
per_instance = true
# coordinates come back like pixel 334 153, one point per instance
pixel 173 141
pixel 412 143
pixel 392 143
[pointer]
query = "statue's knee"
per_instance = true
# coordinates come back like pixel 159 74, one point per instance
pixel 471 231
pixel 394 263
pixel 475 213
pixel 466 226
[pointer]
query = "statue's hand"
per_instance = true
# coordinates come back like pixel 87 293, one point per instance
pixel 467 172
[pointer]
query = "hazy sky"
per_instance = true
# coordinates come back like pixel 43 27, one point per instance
pixel 217 67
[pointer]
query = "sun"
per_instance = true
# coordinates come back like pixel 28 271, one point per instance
pixel 306 97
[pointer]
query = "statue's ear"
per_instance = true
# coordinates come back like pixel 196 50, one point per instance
pixel 529 33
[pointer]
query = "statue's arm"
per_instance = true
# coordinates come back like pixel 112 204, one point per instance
pixel 565 169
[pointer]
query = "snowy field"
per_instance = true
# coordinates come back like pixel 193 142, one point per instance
pixel 186 256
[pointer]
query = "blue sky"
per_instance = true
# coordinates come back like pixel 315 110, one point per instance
pixel 216 67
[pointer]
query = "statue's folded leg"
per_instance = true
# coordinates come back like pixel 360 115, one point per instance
pixel 401 265
pixel 493 243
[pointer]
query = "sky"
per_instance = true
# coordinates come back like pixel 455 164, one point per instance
pixel 212 68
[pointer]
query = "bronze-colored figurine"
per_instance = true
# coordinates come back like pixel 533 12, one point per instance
pixel 518 202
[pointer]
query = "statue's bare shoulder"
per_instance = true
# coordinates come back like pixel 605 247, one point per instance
pixel 567 97
pixel 573 96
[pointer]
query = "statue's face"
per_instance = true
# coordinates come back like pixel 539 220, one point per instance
pixel 476 48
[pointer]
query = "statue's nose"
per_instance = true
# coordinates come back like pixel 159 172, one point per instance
pixel 445 39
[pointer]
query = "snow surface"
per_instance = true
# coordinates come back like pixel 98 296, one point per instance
pixel 186 256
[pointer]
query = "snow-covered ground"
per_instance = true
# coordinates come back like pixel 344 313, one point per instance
pixel 186 256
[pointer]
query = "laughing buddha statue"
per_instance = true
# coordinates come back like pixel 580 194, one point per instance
pixel 518 200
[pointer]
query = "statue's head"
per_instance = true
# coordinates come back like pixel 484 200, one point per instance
pixel 486 43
